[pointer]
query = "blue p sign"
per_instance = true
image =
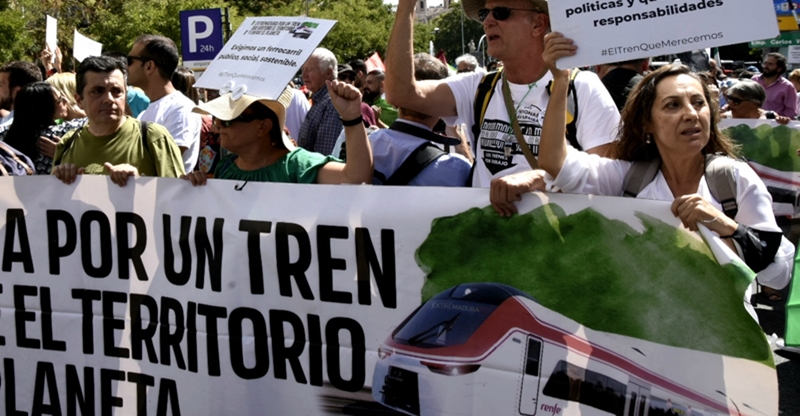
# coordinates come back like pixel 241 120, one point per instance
pixel 201 36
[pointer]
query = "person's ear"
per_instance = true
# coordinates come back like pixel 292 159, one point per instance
pixel 540 24
pixel 79 100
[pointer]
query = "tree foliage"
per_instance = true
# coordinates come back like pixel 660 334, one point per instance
pixel 448 36
pixel 363 26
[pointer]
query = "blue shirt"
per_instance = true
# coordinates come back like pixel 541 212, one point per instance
pixel 390 149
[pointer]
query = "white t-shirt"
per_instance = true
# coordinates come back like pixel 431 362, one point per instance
pixel 597 121
pixel 174 111
pixel 296 112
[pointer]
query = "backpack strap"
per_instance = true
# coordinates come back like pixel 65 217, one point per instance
pixel 722 182
pixel 718 173
pixel 421 157
pixel 16 158
pixel 641 173
pixel 572 109
pixel 482 98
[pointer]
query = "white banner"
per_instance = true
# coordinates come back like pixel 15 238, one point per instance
pixel 283 299
pixel 620 30
pixel 264 54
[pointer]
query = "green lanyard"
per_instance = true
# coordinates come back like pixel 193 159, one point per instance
pixel 512 117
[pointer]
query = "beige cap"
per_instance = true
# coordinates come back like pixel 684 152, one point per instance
pixel 226 107
pixel 471 7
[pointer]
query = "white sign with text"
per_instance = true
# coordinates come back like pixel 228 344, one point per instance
pixel 620 30
pixel 264 54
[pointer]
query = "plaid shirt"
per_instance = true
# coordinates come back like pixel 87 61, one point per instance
pixel 322 126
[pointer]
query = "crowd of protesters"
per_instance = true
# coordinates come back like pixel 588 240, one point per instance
pixel 417 123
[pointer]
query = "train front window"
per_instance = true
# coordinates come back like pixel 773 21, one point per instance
pixel 443 323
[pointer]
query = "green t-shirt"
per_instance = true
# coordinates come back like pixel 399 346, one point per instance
pixel 388 112
pixel 161 158
pixel 297 166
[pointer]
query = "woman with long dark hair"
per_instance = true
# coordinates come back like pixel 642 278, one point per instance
pixel 37 106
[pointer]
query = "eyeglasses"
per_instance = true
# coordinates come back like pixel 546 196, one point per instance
pixel 132 58
pixel 733 100
pixel 244 118
pixel 500 13
pixel 347 77
pixel 62 100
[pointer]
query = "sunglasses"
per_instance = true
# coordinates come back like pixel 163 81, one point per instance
pixel 347 77
pixel 244 118
pixel 132 58
pixel 500 13
pixel 733 100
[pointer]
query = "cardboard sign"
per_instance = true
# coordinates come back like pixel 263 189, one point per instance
pixel 201 37
pixel 83 47
pixel 620 30
pixel 264 55
pixel 51 35
pixel 285 299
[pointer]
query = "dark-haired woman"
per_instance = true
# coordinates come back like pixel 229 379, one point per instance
pixel 669 117
pixel 37 106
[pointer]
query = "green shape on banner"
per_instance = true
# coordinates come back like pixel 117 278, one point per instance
pixel 792 337
pixel 660 285
pixel 773 147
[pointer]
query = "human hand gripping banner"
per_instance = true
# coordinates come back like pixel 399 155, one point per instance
pixel 160 298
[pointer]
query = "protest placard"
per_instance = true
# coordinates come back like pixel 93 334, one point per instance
pixel 620 30
pixel 83 47
pixel 264 55
pixel 51 35
pixel 279 299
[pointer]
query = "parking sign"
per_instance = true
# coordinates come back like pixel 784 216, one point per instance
pixel 201 37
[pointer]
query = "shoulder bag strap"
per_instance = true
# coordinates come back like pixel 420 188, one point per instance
pixel 14 156
pixel 421 157
pixel 512 117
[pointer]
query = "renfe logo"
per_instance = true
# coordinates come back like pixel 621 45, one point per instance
pixel 553 409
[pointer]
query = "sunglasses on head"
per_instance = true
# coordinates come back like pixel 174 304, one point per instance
pixel 500 13
pixel 244 118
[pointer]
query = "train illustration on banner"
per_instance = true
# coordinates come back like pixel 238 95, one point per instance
pixel 485 348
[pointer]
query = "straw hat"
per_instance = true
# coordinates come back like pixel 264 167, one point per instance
pixel 230 105
pixel 471 7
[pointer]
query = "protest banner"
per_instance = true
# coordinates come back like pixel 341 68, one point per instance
pixel 83 47
pixel 264 55
pixel 602 29
pixel 162 298
pixel 771 150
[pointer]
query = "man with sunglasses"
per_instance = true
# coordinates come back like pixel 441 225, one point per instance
pixel 515 31
pixel 151 62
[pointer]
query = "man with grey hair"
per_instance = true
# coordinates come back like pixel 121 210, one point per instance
pixel 466 63
pixel 515 33
pixel 322 125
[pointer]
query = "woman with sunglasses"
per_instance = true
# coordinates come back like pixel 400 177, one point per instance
pixel 745 99
pixel 669 117
pixel 37 107
pixel 252 129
